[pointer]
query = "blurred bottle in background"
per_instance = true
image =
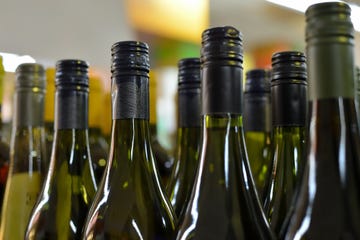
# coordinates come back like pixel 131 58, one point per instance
pixel 188 134
pixel 28 161
pixel 257 125
pixel 99 146
pixel 163 158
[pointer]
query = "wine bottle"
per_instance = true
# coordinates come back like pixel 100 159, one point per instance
pixel 163 159
pixel 289 95
pixel 224 203
pixel 99 146
pixel 188 134
pixel 328 205
pixel 69 185
pixel 130 203
pixel 27 151
pixel 4 147
pixel 257 126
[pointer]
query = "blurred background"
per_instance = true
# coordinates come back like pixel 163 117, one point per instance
pixel 45 31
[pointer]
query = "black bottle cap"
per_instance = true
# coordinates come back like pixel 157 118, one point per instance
pixel 189 73
pixel 288 66
pixel 130 58
pixel 72 74
pixel 189 89
pixel 72 88
pixel 221 62
pixel 130 80
pixel 329 19
pixel 30 75
pixel 289 89
pixel 222 45
pixel 257 81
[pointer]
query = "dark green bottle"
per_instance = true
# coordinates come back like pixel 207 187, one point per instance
pixel 289 109
pixel 27 151
pixel 188 133
pixel 224 203
pixel 130 203
pixel 257 126
pixel 69 186
pixel 328 204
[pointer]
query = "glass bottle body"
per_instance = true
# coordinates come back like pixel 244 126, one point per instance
pixel 130 203
pixel 224 202
pixel 68 190
pixel 24 180
pixel 184 169
pixel 288 156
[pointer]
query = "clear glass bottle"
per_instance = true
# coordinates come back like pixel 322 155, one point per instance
pixel 188 134
pixel 328 204
pixel 289 109
pixel 130 203
pixel 69 185
pixel 257 126
pixel 27 151
pixel 224 203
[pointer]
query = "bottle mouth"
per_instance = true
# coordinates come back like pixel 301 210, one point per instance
pixel 72 73
pixel 222 45
pixel 130 58
pixel 189 73
pixel 257 81
pixel 329 19
pixel 288 67
pixel 30 75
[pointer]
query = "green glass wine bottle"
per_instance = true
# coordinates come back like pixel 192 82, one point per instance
pixel 130 203
pixel 257 126
pixel 188 134
pixel 69 186
pixel 289 95
pixel 328 204
pixel 4 147
pixel 224 203
pixel 27 151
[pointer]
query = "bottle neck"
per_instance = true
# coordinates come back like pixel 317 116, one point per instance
pixel 189 108
pixel 257 112
pixel 330 68
pixel 222 122
pixel 71 110
pixel 221 89
pixel 28 108
pixel 130 97
pixel 289 104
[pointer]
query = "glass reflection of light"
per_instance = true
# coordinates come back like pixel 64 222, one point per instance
pixel 137 229
pixel 342 143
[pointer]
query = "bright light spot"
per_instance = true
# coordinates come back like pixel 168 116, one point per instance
pixel 12 61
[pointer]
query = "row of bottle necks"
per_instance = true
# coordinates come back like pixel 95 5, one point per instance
pixel 211 160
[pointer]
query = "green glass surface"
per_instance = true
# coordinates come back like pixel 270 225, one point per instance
pixel 68 190
pixel 26 173
pixel 99 149
pixel 289 152
pixel 329 200
pixel 258 145
pixel 224 202
pixel 130 203
pixel 184 169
